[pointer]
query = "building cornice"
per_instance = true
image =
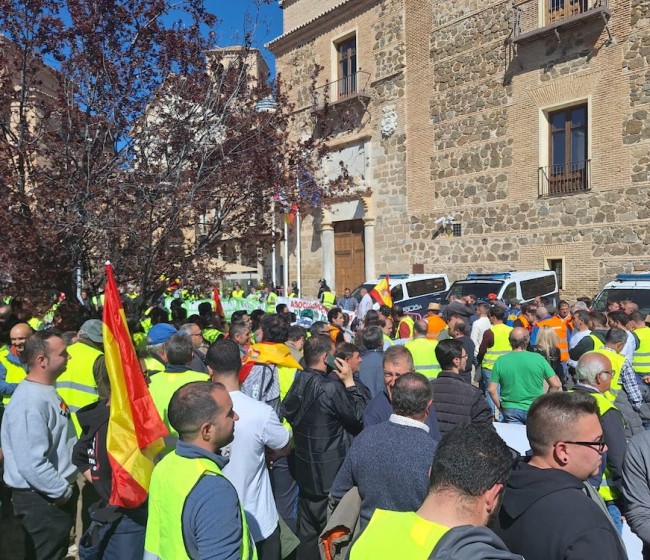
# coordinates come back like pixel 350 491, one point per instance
pixel 336 15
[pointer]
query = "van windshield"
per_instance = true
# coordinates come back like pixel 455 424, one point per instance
pixel 640 296
pixel 479 288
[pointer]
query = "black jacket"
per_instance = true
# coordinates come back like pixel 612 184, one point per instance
pixel 324 415
pixel 547 515
pixel 457 402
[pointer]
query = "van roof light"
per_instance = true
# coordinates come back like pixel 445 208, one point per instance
pixel 493 276
pixel 645 276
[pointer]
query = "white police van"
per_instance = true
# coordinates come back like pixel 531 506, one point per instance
pixel 635 287
pixel 524 286
pixel 413 292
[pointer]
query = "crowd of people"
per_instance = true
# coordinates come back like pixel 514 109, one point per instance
pixel 374 434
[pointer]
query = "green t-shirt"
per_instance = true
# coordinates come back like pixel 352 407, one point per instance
pixel 521 376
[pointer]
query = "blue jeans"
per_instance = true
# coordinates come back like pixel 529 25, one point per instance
pixel 483 386
pixel 615 514
pixel 514 416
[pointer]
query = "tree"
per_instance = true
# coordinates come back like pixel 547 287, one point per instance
pixel 138 142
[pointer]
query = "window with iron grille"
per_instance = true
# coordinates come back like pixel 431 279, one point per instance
pixel 347 67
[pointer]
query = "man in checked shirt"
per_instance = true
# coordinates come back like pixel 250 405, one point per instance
pixel 628 396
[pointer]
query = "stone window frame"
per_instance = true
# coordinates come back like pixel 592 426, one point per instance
pixel 334 56
pixel 544 128
pixel 561 277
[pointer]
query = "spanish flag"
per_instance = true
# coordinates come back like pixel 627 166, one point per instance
pixel 381 292
pixel 135 430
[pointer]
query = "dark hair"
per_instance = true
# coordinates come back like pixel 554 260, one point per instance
pixel 158 315
pixel 37 345
pixel 582 314
pixel 371 318
pixel 636 317
pixel 275 328
pixel 585 299
pixel 562 302
pixel 280 307
pixel 461 327
pixel 296 332
pixel 191 406
pixel 223 357
pixel 238 315
pixel 385 310
pixel 179 349
pixel 469 460
pixel 616 336
pixel 497 312
pixel 620 317
pixel 256 319
pixel 179 315
pixel 529 308
pixel 372 338
pixel 599 317
pixel 446 351
pixel 205 309
pixel 333 313
pixel 553 416
pixel 238 328
pixel 398 311
pixel 411 395
pixel 345 350
pixel 69 316
pixel 316 346
pixel 316 327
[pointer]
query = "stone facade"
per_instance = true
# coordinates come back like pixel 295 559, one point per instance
pixel 470 135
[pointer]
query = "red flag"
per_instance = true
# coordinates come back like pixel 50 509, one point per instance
pixel 216 298
pixel 135 430
pixel 381 292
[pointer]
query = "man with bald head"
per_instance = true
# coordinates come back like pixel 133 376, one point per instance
pixel 521 375
pixel 594 374
pixel 12 370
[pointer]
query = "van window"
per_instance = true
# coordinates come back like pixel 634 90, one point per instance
pixel 538 287
pixel 640 296
pixel 425 287
pixel 397 293
pixel 510 292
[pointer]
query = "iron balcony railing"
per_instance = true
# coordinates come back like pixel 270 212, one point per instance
pixel 353 85
pixel 527 18
pixel 568 178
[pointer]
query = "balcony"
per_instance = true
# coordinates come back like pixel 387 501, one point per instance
pixel 531 23
pixel 565 179
pixel 354 87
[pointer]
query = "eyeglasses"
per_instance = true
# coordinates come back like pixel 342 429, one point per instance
pixel 598 445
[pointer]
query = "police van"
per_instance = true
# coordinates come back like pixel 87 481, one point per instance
pixel 413 292
pixel 635 287
pixel 524 286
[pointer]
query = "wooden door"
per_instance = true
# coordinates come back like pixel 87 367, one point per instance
pixel 350 255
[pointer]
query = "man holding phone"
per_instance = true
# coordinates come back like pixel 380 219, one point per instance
pixel 323 410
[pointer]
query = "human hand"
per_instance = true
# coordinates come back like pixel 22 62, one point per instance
pixel 344 372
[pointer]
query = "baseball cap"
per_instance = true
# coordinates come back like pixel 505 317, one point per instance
pixel 160 333
pixel 492 295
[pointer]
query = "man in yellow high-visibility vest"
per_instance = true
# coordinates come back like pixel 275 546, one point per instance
pixel 457 508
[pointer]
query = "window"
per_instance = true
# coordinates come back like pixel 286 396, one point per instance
pixel 568 163
pixel 397 293
pixel 456 229
pixel 510 292
pixel 557 266
pixel 534 287
pixel 347 67
pixel 562 9
pixel 425 287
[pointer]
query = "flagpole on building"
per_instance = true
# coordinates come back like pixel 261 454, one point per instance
pixel 273 255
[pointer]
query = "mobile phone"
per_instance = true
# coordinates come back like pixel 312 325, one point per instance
pixel 330 361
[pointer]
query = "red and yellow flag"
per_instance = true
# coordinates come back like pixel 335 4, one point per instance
pixel 135 430
pixel 216 302
pixel 381 292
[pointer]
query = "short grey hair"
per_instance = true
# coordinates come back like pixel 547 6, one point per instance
pixel 187 327
pixel 589 367
pixel 156 348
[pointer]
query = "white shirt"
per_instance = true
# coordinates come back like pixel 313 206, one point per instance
pixel 364 306
pixel 479 327
pixel 258 426
pixel 630 347
pixel 576 337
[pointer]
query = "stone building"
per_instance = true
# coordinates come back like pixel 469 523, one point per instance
pixel 507 135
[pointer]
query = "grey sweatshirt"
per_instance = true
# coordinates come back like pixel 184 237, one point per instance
pixel 37 440
pixel 636 485
pixel 472 543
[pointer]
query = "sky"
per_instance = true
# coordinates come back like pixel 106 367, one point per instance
pixel 237 16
